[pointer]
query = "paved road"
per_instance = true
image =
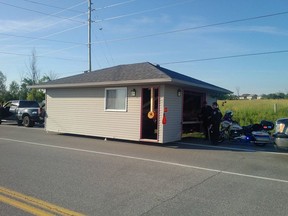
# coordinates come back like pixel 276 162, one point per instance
pixel 96 177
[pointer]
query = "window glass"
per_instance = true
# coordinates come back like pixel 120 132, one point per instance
pixel 115 99
pixel 28 104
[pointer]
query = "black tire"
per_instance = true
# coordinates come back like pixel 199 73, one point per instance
pixel 32 124
pixel 221 138
pixel 27 121
pixel 260 144
pixel 19 122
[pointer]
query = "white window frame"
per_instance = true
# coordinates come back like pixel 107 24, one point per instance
pixel 124 91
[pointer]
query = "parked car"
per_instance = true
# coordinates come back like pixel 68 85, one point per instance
pixel 281 134
pixel 22 111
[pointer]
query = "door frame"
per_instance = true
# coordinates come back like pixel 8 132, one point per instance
pixel 146 132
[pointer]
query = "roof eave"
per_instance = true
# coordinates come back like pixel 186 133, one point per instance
pixel 131 82
pixel 202 86
pixel 101 84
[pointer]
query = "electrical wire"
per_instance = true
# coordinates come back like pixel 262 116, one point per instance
pixel 101 31
pixel 43 13
pixel 41 38
pixel 56 33
pixel 175 31
pixel 59 50
pixel 46 36
pixel 114 5
pixel 141 12
pixel 226 57
pixel 41 56
pixel 54 23
pixel 197 27
pixel 52 6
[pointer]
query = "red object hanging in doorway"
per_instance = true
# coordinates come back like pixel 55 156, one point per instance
pixel 164 120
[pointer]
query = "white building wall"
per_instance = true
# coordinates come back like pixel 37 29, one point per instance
pixel 172 130
pixel 81 111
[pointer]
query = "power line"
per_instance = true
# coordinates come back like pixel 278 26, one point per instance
pixel 42 56
pixel 41 38
pixel 141 12
pixel 64 18
pixel 46 36
pixel 114 5
pixel 226 57
pixel 102 32
pixel 161 33
pixel 54 23
pixel 58 50
pixel 53 6
pixel 56 33
pixel 199 27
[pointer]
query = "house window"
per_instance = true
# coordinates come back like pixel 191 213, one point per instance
pixel 116 99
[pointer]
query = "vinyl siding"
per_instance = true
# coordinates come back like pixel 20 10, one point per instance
pixel 81 111
pixel 172 130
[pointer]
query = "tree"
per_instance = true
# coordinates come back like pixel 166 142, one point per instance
pixel 2 87
pixel 36 94
pixel 33 71
pixel 23 88
pixel 48 77
pixel 32 78
pixel 13 92
pixel 238 91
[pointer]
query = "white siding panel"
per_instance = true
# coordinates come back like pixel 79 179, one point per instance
pixel 172 131
pixel 81 111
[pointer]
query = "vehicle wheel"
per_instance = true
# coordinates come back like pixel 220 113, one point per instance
pixel 221 139
pixel 27 121
pixel 0 121
pixel 32 124
pixel 19 123
pixel 260 144
pixel 280 149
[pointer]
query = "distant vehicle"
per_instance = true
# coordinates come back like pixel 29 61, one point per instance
pixel 255 133
pixel 23 112
pixel 281 134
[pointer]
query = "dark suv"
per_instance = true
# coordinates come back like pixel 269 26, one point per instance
pixel 22 111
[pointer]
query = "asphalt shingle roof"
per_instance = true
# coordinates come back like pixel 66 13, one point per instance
pixel 132 73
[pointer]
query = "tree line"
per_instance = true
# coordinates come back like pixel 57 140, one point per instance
pixel 278 95
pixel 20 90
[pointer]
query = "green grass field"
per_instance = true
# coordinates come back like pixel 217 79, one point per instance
pixel 253 111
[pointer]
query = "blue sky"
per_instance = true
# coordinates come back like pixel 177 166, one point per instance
pixel 187 36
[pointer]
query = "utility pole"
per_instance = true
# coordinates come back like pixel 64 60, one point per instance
pixel 89 36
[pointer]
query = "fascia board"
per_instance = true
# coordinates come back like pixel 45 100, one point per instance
pixel 101 84
pixel 203 86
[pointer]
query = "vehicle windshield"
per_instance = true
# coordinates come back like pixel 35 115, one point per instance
pixel 28 104
pixel 282 126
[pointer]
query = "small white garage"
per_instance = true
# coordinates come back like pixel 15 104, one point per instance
pixel 139 102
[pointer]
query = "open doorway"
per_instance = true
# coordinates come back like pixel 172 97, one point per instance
pixel 149 118
pixel 191 108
